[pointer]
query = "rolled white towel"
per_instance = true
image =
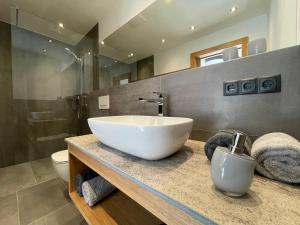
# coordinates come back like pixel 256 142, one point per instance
pixel 278 157
pixel 96 189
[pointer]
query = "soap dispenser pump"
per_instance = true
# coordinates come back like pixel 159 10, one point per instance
pixel 232 171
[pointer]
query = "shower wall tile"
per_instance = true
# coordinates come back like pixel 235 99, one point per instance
pixel 7 127
pixel 198 94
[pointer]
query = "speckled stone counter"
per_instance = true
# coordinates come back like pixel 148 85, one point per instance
pixel 184 180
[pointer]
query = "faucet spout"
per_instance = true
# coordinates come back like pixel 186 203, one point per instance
pixel 161 101
pixel 150 100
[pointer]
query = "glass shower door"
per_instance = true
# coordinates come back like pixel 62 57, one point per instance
pixel 47 75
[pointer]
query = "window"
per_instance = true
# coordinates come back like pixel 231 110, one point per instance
pixel 124 81
pixel 214 55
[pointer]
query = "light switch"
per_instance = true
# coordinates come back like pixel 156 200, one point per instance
pixel 103 102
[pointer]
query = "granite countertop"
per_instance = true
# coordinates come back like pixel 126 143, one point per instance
pixel 184 179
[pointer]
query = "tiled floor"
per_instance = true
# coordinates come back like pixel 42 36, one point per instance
pixel 31 193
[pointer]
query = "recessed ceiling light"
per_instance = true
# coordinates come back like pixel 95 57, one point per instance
pixel 102 42
pixel 193 28
pixel 61 25
pixel 130 55
pixel 89 53
pixel 44 50
pixel 233 9
pixel 50 41
pixel 116 61
pixel 163 40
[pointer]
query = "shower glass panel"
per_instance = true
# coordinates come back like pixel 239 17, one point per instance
pixel 46 76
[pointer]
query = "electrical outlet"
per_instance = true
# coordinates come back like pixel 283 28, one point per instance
pixel 248 86
pixel 230 88
pixel 269 84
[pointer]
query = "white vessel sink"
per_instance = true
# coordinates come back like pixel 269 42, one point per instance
pixel 147 137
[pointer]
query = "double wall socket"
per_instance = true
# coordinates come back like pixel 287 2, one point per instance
pixel 252 86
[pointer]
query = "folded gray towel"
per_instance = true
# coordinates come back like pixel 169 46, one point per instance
pixel 278 157
pixel 82 177
pixel 96 189
pixel 224 138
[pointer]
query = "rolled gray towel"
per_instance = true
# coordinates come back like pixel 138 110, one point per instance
pixel 96 189
pixel 82 177
pixel 224 138
pixel 278 157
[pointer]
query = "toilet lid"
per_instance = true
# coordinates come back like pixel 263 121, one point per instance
pixel 60 157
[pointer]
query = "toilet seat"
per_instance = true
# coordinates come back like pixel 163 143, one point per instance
pixel 60 157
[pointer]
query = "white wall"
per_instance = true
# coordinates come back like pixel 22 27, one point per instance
pixel 179 57
pixel 124 11
pixel 283 24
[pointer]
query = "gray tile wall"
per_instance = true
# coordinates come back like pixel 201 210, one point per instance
pixel 198 93
pixel 7 126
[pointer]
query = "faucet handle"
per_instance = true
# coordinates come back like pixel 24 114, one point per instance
pixel 160 94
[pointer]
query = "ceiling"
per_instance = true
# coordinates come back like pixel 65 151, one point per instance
pixel 171 20
pixel 41 16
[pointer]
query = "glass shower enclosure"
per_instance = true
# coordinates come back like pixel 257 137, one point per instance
pixel 46 74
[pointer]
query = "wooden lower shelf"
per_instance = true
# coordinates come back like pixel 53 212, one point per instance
pixel 115 209
pixel 96 215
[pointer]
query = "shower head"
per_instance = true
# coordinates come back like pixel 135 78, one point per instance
pixel 78 59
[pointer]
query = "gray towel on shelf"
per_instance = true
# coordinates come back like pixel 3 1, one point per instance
pixel 278 157
pixel 96 189
pixel 82 177
pixel 224 138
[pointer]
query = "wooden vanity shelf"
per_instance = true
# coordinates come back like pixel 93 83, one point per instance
pixel 116 209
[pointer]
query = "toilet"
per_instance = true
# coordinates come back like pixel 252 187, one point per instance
pixel 60 161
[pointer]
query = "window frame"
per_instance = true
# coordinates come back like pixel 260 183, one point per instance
pixel 195 58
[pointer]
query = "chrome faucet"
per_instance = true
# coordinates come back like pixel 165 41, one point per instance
pixel 161 101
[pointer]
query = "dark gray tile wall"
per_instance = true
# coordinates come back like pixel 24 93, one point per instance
pixel 7 126
pixel 29 145
pixel 198 93
pixel 124 99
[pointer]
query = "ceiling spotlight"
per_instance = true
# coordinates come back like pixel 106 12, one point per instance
pixel 233 9
pixel 130 55
pixel 89 53
pixel 61 25
pixel 44 50
pixel 163 40
pixel 50 41
pixel 102 42
pixel 193 28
